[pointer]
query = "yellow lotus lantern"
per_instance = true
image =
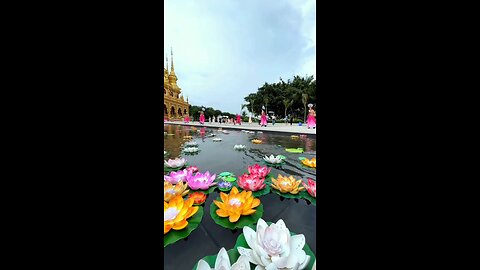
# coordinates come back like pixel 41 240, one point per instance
pixel 287 184
pixel 176 212
pixel 256 141
pixel 236 204
pixel 187 137
pixel 312 163
pixel 170 190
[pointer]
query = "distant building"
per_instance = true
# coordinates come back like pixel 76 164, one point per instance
pixel 174 107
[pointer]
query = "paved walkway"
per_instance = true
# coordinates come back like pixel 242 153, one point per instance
pixel 279 127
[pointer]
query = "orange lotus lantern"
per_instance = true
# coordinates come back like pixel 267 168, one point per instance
pixel 176 212
pixel 312 163
pixel 170 190
pixel 198 197
pixel 287 184
pixel 236 204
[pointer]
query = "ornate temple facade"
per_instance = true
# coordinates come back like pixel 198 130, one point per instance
pixel 174 105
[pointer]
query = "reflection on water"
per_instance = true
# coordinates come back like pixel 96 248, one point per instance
pixel 217 157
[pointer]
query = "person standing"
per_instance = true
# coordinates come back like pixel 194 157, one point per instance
pixel 291 120
pixel 239 120
pixel 263 119
pixel 311 121
pixel 273 120
pixel 202 118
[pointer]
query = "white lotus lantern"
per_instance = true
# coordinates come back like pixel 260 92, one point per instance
pixel 239 147
pixel 273 159
pixel 223 262
pixel 175 163
pixel 272 247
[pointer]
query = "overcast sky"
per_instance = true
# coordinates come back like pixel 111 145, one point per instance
pixel 225 49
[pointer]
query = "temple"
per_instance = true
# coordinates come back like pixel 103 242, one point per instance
pixel 174 107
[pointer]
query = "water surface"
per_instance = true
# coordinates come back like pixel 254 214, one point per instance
pixel 217 157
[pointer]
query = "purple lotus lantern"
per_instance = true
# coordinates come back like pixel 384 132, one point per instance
pixel 201 181
pixel 175 177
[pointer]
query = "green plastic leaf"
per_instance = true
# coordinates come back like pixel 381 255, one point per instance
pixel 282 157
pixel 302 158
pixel 241 242
pixel 223 174
pixel 309 198
pixel 173 236
pixel 294 150
pixel 230 179
pixel 242 221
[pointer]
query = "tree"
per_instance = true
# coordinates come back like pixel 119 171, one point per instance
pixel 287 103
pixel 305 100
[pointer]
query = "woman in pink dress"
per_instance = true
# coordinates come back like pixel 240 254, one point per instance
pixel 239 120
pixel 202 118
pixel 263 121
pixel 311 121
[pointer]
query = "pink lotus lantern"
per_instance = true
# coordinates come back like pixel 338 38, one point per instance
pixel 201 181
pixel 311 187
pixel 192 169
pixel 175 177
pixel 251 182
pixel 261 171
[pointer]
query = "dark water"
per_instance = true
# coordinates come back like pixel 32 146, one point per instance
pixel 218 157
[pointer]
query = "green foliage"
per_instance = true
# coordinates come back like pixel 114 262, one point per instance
pixel 290 97
pixel 209 112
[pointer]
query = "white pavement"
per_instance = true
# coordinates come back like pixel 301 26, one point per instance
pixel 279 127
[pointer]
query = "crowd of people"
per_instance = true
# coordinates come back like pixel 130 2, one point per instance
pixel 263 120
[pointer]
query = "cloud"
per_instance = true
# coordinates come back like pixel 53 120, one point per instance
pixel 224 50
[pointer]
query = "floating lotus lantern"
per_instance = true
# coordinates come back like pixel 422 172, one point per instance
pixel 224 185
pixel 261 171
pixel 191 150
pixel 187 137
pixel 287 184
pixel 312 163
pixel 175 163
pixel 191 143
pixel 164 152
pixel 251 132
pixel 259 132
pixel 170 191
pixel 239 147
pixel 311 187
pixel 274 159
pixel 217 139
pixel 176 177
pixel 192 169
pixel 272 247
pixel 256 141
pixel 176 212
pixel 201 181
pixel 222 262
pixel 198 197
pixel 236 204
pixel 251 182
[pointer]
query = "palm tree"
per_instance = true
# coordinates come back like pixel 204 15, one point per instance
pixel 304 101
pixel 287 103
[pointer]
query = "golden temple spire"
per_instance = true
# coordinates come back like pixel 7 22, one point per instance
pixel 171 52
pixel 167 61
